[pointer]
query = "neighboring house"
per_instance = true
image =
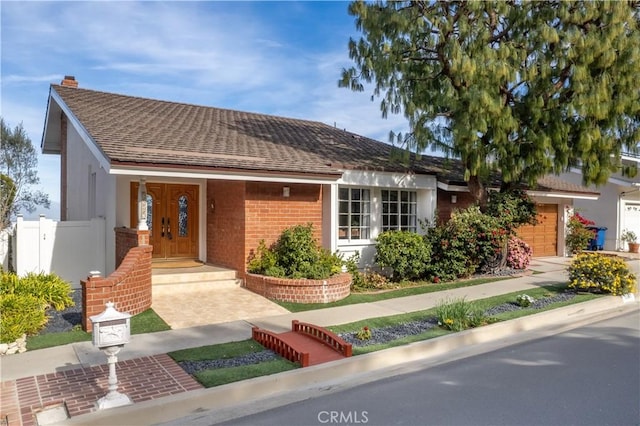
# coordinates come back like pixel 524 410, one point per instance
pixel 618 208
pixel 211 183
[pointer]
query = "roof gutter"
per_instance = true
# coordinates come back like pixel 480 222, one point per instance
pixel 226 175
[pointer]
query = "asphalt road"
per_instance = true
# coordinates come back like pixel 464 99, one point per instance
pixel 586 376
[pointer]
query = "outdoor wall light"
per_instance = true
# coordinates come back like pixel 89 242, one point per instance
pixel 285 191
pixel 454 199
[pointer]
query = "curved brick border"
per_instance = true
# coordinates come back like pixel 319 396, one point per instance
pixel 129 287
pixel 334 288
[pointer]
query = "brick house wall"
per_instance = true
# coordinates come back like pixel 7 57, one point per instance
pixel 246 212
pixel 226 223
pixel 446 207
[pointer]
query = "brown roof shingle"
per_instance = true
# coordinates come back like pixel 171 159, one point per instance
pixel 136 130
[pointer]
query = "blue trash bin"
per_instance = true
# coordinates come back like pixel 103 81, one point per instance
pixel 597 243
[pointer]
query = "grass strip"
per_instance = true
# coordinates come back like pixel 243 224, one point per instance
pixel 220 351
pixel 145 322
pixel 381 322
pixel 419 288
pixel 222 376
pixel 219 376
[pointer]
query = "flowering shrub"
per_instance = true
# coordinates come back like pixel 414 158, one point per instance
pixel 519 253
pixel 467 242
pixel 364 333
pixel 596 272
pixel 578 235
pixel 524 300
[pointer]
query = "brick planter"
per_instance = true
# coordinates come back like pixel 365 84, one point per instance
pixel 334 288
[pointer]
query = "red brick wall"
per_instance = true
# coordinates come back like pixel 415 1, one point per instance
pixel 268 213
pixel 445 207
pixel 128 287
pixel 226 224
pixel 244 213
pixel 300 291
pixel 126 239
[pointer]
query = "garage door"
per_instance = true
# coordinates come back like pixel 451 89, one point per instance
pixel 543 237
pixel 631 217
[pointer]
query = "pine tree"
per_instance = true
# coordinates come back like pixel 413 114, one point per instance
pixel 526 88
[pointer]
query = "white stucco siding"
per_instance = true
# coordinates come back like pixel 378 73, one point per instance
pixel 609 210
pixel 423 185
pixel 90 190
pixel 88 184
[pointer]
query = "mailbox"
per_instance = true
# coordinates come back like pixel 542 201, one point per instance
pixel 111 328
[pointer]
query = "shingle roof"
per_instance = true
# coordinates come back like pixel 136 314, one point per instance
pixel 139 131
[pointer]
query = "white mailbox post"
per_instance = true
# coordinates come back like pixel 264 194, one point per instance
pixel 111 330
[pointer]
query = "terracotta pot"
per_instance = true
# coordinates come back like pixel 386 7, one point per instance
pixel 633 247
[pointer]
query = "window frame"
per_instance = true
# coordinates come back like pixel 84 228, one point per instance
pixel 403 209
pixel 363 228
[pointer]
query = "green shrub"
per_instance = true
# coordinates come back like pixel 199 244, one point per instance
pixel 357 277
pixel 458 315
pixel 405 252
pixel 24 301
pixel 469 241
pixel 49 288
pixel 296 254
pixel 20 314
pixel 596 272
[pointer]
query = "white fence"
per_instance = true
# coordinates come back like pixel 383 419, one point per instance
pixel 68 249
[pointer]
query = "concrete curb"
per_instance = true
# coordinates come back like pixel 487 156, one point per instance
pixel 254 395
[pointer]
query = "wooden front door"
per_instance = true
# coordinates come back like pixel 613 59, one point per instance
pixel 172 218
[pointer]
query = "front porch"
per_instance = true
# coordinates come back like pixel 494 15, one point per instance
pixel 196 295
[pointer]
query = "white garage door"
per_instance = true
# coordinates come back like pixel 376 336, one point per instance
pixel 631 216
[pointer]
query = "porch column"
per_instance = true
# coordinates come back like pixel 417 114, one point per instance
pixel 142 206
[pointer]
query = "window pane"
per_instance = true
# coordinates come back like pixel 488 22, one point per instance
pixel 149 212
pixel 182 216
pixel 344 207
pixel 343 194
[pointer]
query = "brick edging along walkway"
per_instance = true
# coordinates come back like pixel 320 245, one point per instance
pixel 141 379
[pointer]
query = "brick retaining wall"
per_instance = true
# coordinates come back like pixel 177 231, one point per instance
pixel 300 290
pixel 128 287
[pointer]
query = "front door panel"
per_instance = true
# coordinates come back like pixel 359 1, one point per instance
pixel 172 218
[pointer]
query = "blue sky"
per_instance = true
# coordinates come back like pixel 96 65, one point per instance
pixel 281 58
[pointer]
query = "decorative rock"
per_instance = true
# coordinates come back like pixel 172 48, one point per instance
pixel 19 346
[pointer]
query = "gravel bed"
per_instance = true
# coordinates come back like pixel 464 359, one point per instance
pixel 538 304
pixel 192 367
pixel 394 332
pixel 66 319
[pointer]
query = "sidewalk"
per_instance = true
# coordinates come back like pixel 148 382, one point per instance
pixel 145 355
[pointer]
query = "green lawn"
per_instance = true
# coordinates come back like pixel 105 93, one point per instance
pixel 418 288
pixel 218 376
pixel 145 322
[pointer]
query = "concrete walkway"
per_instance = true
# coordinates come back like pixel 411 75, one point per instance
pixel 83 356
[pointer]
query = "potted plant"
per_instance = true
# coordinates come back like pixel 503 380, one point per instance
pixel 631 239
